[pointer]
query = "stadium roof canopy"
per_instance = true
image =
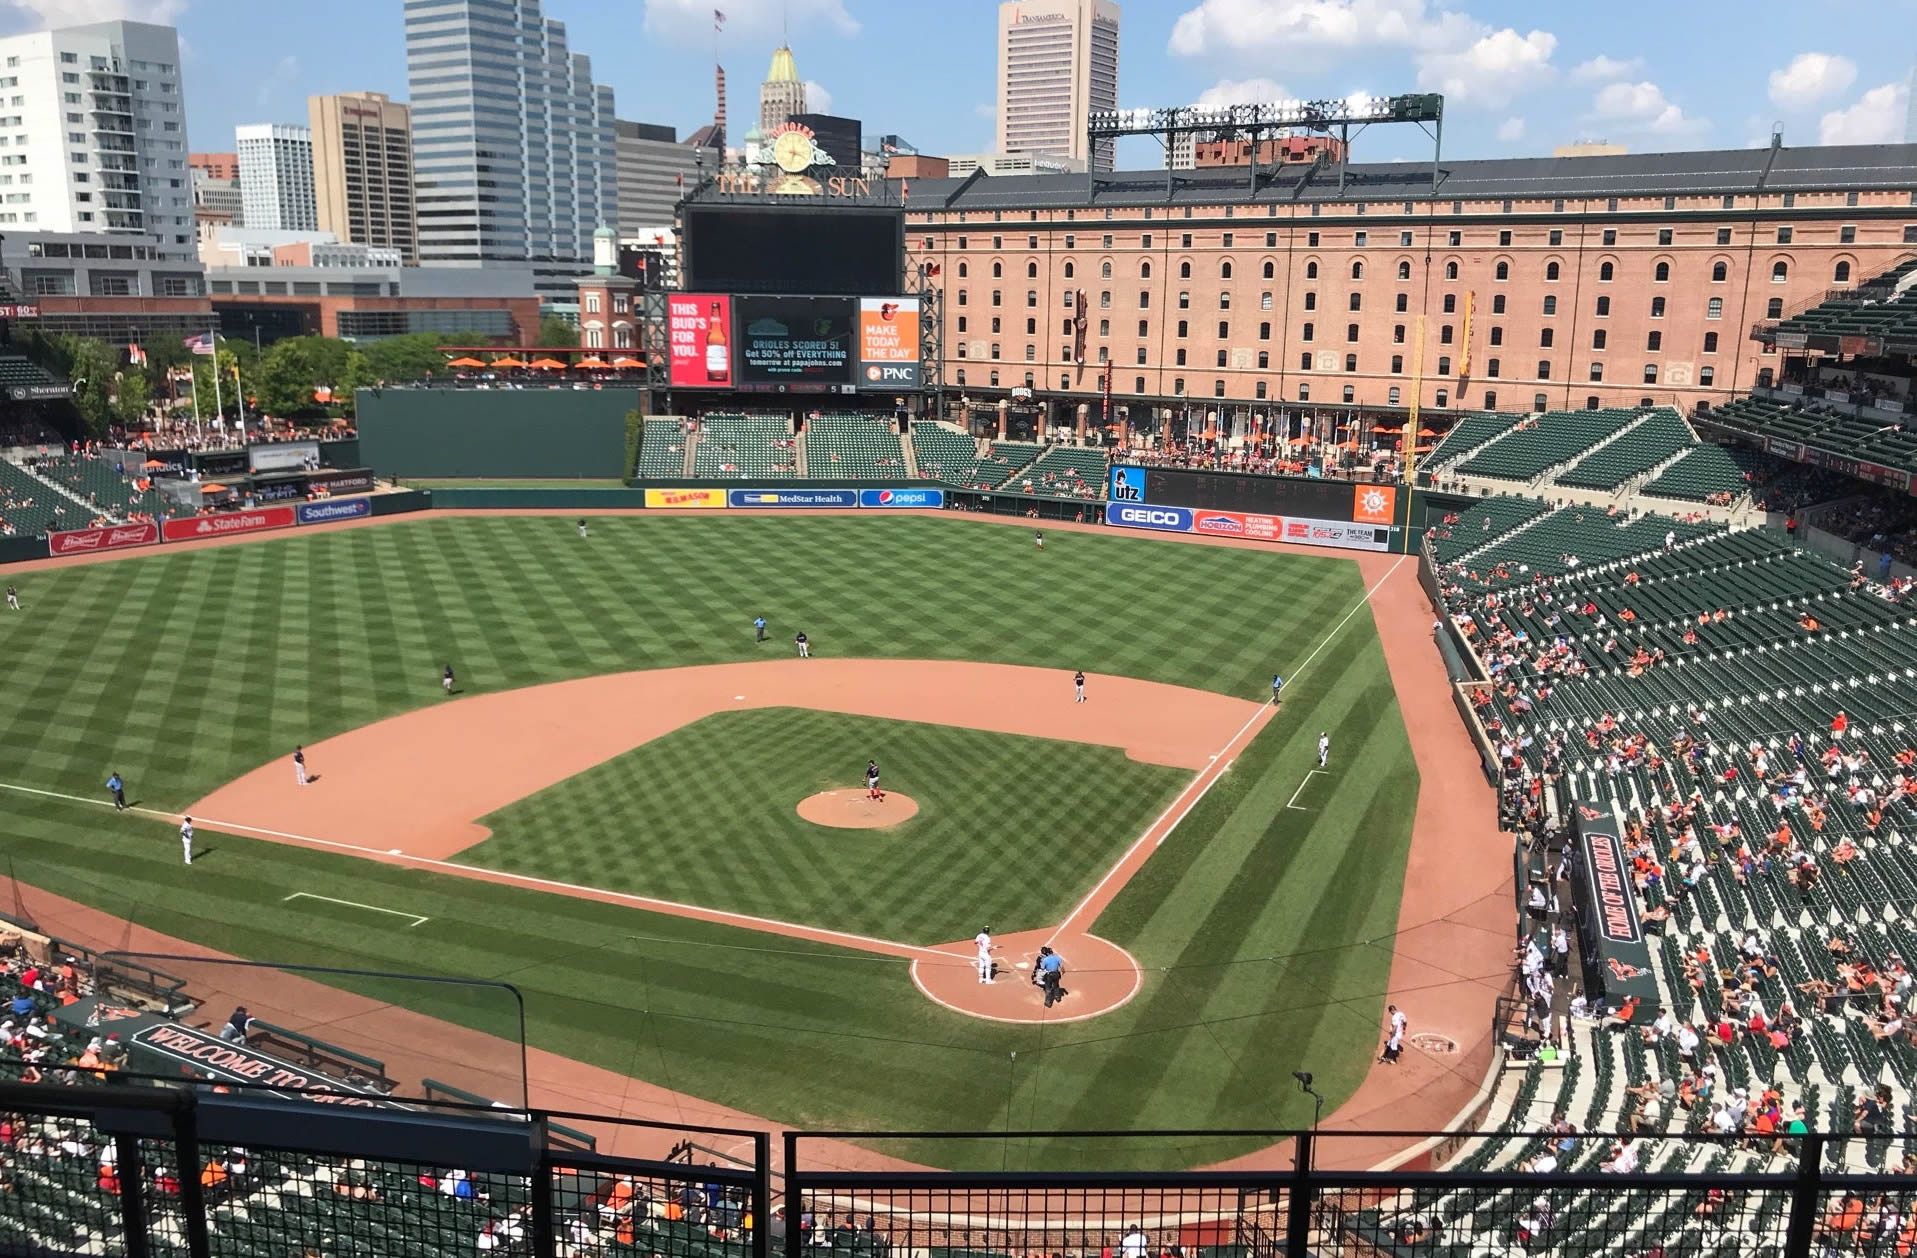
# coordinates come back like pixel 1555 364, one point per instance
pixel 1711 172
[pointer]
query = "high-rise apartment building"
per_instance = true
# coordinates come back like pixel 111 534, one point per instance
pixel 363 170
pixel 654 172
pixel 514 150
pixel 1057 61
pixel 783 92
pixel 97 127
pixel 276 177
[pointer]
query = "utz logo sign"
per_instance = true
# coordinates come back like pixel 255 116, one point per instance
pixel 1128 484
pixel 1163 519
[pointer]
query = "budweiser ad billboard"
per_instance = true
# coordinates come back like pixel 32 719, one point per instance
pixel 115 537
pixel 699 340
pixel 228 524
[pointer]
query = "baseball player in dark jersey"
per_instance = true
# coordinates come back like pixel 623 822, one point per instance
pixel 872 790
pixel 1078 685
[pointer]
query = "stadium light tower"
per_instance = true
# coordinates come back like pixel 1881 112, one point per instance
pixel 1259 122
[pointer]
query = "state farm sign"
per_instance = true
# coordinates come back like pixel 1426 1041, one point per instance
pixel 227 524
pixel 115 537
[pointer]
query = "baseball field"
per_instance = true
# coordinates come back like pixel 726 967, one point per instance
pixel 605 814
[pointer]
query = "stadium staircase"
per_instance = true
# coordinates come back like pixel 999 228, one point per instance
pixel 72 496
pixel 909 452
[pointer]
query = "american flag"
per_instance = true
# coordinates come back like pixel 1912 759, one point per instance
pixel 718 20
pixel 201 344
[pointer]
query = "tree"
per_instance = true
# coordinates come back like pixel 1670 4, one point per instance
pixel 555 332
pixel 130 397
pixel 413 356
pixel 90 371
pixel 356 375
pixel 289 372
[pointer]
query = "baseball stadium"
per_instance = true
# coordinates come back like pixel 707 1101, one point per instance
pixel 757 791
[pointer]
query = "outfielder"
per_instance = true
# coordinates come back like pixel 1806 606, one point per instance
pixel 446 680
pixel 1324 749
pixel 13 598
pixel 186 838
pixel 582 526
pixel 984 941
pixel 1038 537
pixel 804 645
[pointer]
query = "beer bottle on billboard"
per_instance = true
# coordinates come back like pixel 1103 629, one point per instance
pixel 718 360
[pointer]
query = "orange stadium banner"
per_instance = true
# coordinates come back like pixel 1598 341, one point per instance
pixel 1374 504
pixel 1464 361
pixel 889 343
pixel 683 498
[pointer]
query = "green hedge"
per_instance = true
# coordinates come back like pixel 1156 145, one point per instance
pixel 635 433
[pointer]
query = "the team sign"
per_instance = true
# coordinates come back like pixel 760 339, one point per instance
pixel 888 343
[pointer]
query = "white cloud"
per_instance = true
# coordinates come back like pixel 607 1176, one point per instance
pixel 1876 118
pixel 1253 91
pixel 40 13
pixel 684 21
pixel 1512 130
pixel 1492 69
pixel 817 99
pixel 1810 77
pixel 1643 106
pixel 283 72
pixel 1602 69
pixel 1466 59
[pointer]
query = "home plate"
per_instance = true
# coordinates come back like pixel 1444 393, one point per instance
pixel 1021 965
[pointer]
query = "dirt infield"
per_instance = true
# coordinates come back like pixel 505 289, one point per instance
pixel 1450 950
pixel 853 809
pixel 419 782
pixel 1101 977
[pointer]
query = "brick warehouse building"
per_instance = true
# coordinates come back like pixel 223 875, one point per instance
pixel 1544 282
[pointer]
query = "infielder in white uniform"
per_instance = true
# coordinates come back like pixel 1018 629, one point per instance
pixel 1324 749
pixel 186 838
pixel 984 941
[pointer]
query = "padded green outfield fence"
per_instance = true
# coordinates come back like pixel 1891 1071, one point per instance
pixel 500 434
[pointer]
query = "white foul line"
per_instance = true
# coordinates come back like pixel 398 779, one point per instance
pixel 355 904
pixel 697 912
pixel 1293 801
pixel 1208 777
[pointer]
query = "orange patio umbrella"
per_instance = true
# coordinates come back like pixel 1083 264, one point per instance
pixel 508 361
pixel 153 463
pixel 1427 432
pixel 591 362
pixel 627 362
pixel 466 362
pixel 547 364
pixel 212 489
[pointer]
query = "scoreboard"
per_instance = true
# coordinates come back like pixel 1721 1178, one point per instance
pixel 1309 512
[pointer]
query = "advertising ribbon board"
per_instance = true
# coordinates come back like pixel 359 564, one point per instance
pixel 755 498
pixel 1616 958
pixel 895 498
pixel 888 343
pixel 1127 515
pixel 710 499
pixel 116 537
pixel 228 524
pixel 328 512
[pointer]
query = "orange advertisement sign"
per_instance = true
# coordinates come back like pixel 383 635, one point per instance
pixel 889 343
pixel 681 498
pixel 1373 504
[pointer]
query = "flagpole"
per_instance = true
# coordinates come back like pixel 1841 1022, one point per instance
pixel 219 403
pixel 239 389
pixel 193 382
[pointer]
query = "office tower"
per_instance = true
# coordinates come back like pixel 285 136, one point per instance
pixel 363 170
pixel 514 156
pixel 276 176
pixel 1057 61
pixel 215 165
pixel 655 170
pixel 783 93
pixel 843 139
pixel 97 124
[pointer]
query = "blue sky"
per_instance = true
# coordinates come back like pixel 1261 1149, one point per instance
pixel 1518 78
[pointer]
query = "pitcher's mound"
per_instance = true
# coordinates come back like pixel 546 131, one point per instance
pixel 850 809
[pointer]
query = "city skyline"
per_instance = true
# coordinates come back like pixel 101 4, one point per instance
pixel 1518 81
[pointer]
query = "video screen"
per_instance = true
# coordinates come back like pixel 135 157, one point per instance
pixel 849 251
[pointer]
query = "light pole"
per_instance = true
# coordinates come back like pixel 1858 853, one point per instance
pixel 1317 1098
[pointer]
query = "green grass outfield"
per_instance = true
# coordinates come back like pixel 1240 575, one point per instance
pixel 650 822
pixel 1265 931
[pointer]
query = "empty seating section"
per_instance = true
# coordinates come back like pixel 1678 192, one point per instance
pixel 1873 309
pixel 1543 442
pixel 662 450
pixel 28 506
pixel 18 369
pixel 852 447
pixel 745 447
pixel 1483 525
pixel 101 484
pixel 1633 454
pixel 1703 473
pixel 1470 431
pixel 1004 460
pixel 1064 472
pixel 1848 436
pixel 1718 651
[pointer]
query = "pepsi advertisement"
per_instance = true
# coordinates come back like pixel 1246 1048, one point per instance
pixel 902 498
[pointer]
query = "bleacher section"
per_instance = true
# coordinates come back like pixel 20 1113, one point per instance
pixel 1490 521
pixel 17 370
pixel 1687 684
pixel 744 447
pixel 1064 472
pixel 101 484
pixel 1847 436
pixel 1704 472
pixel 1633 454
pixel 28 506
pixel 852 447
pixel 1874 309
pixel 662 450
pixel 946 454
pixel 1470 431
pixel 1545 441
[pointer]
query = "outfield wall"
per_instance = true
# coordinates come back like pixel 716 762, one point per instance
pixel 495 433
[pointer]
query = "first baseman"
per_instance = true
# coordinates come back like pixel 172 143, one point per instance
pixel 299 764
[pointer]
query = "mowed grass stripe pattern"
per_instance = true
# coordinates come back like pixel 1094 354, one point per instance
pixel 1010 830
pixel 182 671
